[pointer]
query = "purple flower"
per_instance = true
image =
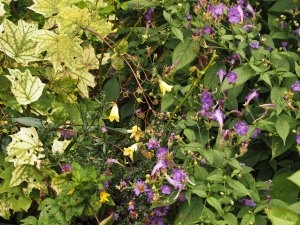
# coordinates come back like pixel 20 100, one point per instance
pixel 104 129
pixel 268 188
pixel 181 197
pixel 221 73
pixel 247 202
pixel 66 168
pixel 179 179
pixel 152 144
pixel 203 162
pixel 298 139
pixel 297 31
pixel 256 132
pixel 148 17
pixel 208 30
pixel 166 189
pixel 284 44
pixel 157 221
pixel 131 205
pixel 296 86
pixel 241 128
pixel 116 216
pixel 254 45
pixel 250 9
pixel 206 100
pixel 217 10
pixel 220 116
pixel 66 133
pixel 150 195
pixel 247 27
pixel 234 58
pixel 235 14
pixel 231 77
pixel 161 153
pixel 188 17
pixel 140 187
pixel 253 94
pixel 161 211
pixel 161 164
pixel 106 184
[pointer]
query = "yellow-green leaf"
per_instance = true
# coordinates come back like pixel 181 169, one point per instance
pixel 25 87
pixel 60 48
pixel 2 11
pixel 88 59
pixel 25 148
pixel 59 146
pixel 16 41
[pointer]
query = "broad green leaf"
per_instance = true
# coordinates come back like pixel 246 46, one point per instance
pixel 278 146
pixel 59 146
pixel 29 174
pixel 49 7
pixel 16 41
pixel 230 219
pixel 184 53
pixel 295 177
pixel 5 206
pixel 283 216
pixel 25 148
pixel 21 203
pixel 189 214
pixel 108 221
pixel 112 89
pixel 248 219
pixel 216 204
pixel 238 187
pixel 25 87
pixel 28 121
pixel 211 79
pixel 284 5
pixel 60 48
pixel 283 129
pixel 177 32
pixel 88 60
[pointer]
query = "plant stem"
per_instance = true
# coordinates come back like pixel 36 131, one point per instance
pixel 189 93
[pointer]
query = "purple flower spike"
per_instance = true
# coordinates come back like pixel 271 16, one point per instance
pixel 298 139
pixel 241 128
pixel 253 94
pixel 140 187
pixel 206 100
pixel 161 211
pixel 231 77
pixel 247 202
pixel 254 45
pixel 296 86
pixel 166 189
pixel 66 168
pixel 221 73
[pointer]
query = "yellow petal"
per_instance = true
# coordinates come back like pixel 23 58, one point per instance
pixel 129 151
pixel 114 113
pixel 164 87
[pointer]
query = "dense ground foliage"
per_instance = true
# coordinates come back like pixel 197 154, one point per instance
pixel 149 112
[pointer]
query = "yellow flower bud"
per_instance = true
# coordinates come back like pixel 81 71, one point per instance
pixel 114 114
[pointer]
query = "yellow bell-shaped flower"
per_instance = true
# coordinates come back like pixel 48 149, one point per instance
pixel 136 133
pixel 130 150
pixel 114 113
pixel 164 87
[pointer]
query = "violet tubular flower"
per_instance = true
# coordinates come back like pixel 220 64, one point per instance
pixel 221 73
pixel 253 94
pixel 206 100
pixel 296 86
pixel 231 77
pixel 153 143
pixel 217 10
pixel 241 128
pixel 297 139
pixel 148 17
pixel 161 164
pixel 254 45
pixel 220 116
pixel 166 189
pixel 235 14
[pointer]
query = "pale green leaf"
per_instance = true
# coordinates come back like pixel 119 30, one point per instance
pixel 2 11
pixel 283 216
pixel 25 148
pixel 16 41
pixel 59 146
pixel 60 48
pixel 177 32
pixel 5 206
pixel 295 177
pixel 88 59
pixel 6 1
pixel 216 204
pixel 25 87
pixel 283 129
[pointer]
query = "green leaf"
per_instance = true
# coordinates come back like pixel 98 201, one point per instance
pixel 25 87
pixel 30 220
pixel 248 219
pixel 211 79
pixel 189 214
pixel 108 221
pixel 283 216
pixel 17 43
pixel 5 206
pixel 177 32
pixel 297 69
pixel 238 187
pixel 168 17
pixel 278 147
pixel 216 204
pixel 184 53
pixel 282 128
pixel 230 219
pixel 283 5
pixel 295 177
pixel 190 134
pixel 25 148
pixel 244 73
pixel 28 121
pixel 112 89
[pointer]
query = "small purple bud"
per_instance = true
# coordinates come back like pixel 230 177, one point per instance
pixel 298 139
pixel 254 45
pixel 221 73
pixel 104 129
pixel 66 168
pixel 231 77
pixel 253 94
pixel 296 86
pixel 241 128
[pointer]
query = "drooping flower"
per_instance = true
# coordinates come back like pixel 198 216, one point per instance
pixel 241 128
pixel 247 202
pixel 114 113
pixel 231 77
pixel 161 164
pixel 130 150
pixel 220 116
pixel 221 73
pixel 298 139
pixel 136 133
pixel 254 44
pixel 296 86
pixel 164 87
pixel 104 197
pixel 152 143
pixel 250 9
pixel 235 14
pixel 235 58
pixel 253 94
pixel 256 132
pixel 66 168
pixel 166 189
pixel 217 10
pixel 206 100
pixel 140 187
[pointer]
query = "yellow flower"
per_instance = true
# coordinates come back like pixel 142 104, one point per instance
pixel 104 197
pixel 135 132
pixel 130 150
pixel 164 87
pixel 114 113
pixel 71 191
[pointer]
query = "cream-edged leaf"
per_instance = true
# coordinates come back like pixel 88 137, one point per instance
pixel 2 11
pixel 25 147
pixel 84 80
pixel 25 87
pixel 88 59
pixel 16 41
pixel 60 48
pixel 59 146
